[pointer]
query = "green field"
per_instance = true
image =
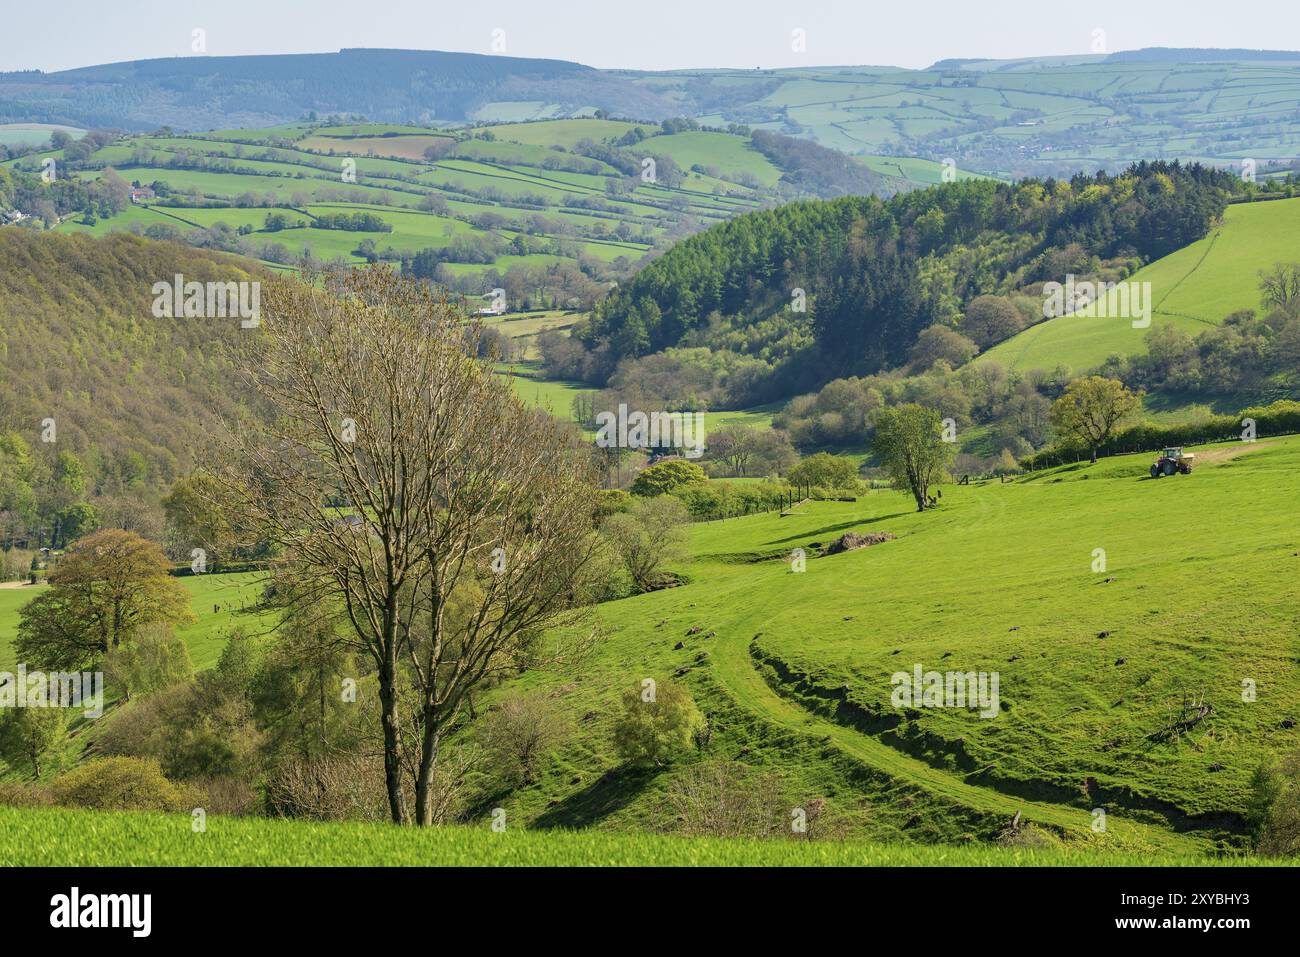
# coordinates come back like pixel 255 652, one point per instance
pixel 524 193
pixel 1000 578
pixel 920 171
pixel 1193 288
pixel 234 595
pixel 33 134
pixel 67 838
pixel 554 396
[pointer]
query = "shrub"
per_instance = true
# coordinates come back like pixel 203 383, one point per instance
pixel 610 501
pixel 727 799
pixel 725 499
pixel 119 784
pixel 648 537
pixel 825 470
pixel 31 738
pixel 518 735
pixel 18 794
pixel 667 477
pixel 1273 814
pixel 155 658
pixel 1027 836
pixel 658 723
pixel 343 787
pixel 349 787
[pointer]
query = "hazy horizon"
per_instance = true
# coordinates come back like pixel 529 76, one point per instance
pixel 669 35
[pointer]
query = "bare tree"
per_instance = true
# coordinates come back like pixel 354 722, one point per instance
pixel 734 446
pixel 519 733
pixel 1280 287
pixel 406 484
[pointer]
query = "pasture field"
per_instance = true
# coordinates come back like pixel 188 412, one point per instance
pixel 69 838
pixel 1193 288
pixel 550 394
pixel 520 193
pixel 914 170
pixel 33 134
pixel 793 672
pixel 220 602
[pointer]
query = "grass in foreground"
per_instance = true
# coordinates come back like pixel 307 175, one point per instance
pixel 60 837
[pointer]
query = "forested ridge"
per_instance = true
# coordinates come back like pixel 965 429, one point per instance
pixel 818 289
pixel 133 398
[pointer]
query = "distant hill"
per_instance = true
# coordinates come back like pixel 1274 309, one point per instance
pixel 202 92
pixel 1031 116
pixel 1212 55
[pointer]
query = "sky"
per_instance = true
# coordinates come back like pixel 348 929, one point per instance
pixel 637 34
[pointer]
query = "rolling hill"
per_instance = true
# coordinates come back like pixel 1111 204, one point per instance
pixel 1009 118
pixel 793 671
pixel 207 92
pixel 534 195
pixel 1192 288
pixel 1090 670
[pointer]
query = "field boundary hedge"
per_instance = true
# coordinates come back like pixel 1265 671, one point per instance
pixel 1280 418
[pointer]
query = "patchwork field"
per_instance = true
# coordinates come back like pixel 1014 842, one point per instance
pixel 512 195
pixel 1037 116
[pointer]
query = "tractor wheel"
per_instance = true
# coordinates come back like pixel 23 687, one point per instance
pixel 1155 471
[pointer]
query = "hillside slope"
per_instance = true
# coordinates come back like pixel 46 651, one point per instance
pixel 210 92
pixel 794 670
pixel 132 396
pixel 1192 288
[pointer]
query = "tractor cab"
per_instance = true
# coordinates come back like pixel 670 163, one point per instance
pixel 1172 461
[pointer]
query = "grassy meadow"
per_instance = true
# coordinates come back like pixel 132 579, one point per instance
pixel 793 674
pixel 1193 288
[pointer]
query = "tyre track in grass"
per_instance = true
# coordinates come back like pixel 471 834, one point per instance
pixel 737 675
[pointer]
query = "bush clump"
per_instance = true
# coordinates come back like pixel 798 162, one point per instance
pixel 119 784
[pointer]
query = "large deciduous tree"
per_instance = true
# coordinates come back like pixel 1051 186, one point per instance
pixel 103 591
pixel 1091 410
pixel 909 443
pixel 407 487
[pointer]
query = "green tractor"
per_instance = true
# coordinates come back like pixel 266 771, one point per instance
pixel 1172 462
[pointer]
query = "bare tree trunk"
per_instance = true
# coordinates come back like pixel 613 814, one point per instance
pixel 392 735
pixel 428 756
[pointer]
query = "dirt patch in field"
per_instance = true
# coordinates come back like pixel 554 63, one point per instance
pixel 851 541
pixel 1223 454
